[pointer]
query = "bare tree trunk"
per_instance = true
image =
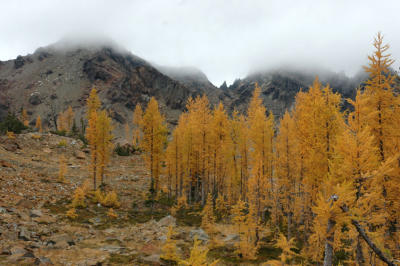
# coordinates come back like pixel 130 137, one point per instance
pixel 328 258
pixel 289 226
pixel 359 253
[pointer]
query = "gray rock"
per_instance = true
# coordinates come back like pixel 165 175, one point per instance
pixel 35 99
pixel 231 238
pixel 36 213
pixel 24 234
pixel 3 210
pixel 167 221
pixel 154 258
pixel 19 62
pixel 5 251
pixel 79 155
pixel 63 238
pixel 17 250
pixel 44 261
pixel 200 233
pixel 112 249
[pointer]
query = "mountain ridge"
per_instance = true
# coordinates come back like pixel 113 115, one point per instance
pixel 62 74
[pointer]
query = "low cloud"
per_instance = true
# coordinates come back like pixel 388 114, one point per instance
pixel 224 39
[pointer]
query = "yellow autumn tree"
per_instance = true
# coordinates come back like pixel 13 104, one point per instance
pixel 62 169
pixel 137 125
pixel 174 158
pixel 24 117
pixel 246 223
pixel 219 149
pixel 318 122
pixel 208 217
pixel 198 256
pixel 286 245
pixel 154 137
pixel 169 249
pixel 330 218
pixel 93 105
pixel 65 120
pixel 38 124
pixel 261 137
pixel 287 171
pixel 382 116
pixel 104 145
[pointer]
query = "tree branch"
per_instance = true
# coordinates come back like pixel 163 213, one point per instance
pixel 371 244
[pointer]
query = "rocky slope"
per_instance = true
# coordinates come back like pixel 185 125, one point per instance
pixel 54 77
pixel 34 229
pixel 280 86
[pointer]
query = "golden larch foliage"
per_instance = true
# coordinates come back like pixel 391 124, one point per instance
pixel 208 217
pixel 169 249
pixel 137 125
pixel 38 124
pixel 154 131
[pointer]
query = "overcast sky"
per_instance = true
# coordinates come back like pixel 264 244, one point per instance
pixel 225 39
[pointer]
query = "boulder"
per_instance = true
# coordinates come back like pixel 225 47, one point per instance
pixel 63 238
pixel 167 221
pixel 79 155
pixel 11 145
pixel 200 233
pixel 6 164
pixel 24 234
pixel 43 261
pixel 45 219
pixel 17 250
pixel 19 62
pixel 35 213
pixel 231 239
pixel 25 203
pixel 35 98
pixel 153 259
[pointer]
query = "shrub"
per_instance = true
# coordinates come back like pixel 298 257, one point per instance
pixel 62 143
pixel 59 132
pixel 124 150
pixel 111 200
pixel 11 123
pixel 71 214
pixel 36 136
pixel 111 214
pixel 97 197
pixel 79 198
pixel 10 135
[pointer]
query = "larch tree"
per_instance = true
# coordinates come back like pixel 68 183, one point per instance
pixel 219 143
pixel 208 217
pixel 174 158
pixel 246 223
pixel 154 137
pixel 137 125
pixel 318 122
pixel 104 146
pixel 169 249
pixel 62 170
pixel 38 124
pixel 93 105
pixel 198 255
pixel 355 161
pixel 24 117
pixel 287 171
pixel 261 137
pixel 382 116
